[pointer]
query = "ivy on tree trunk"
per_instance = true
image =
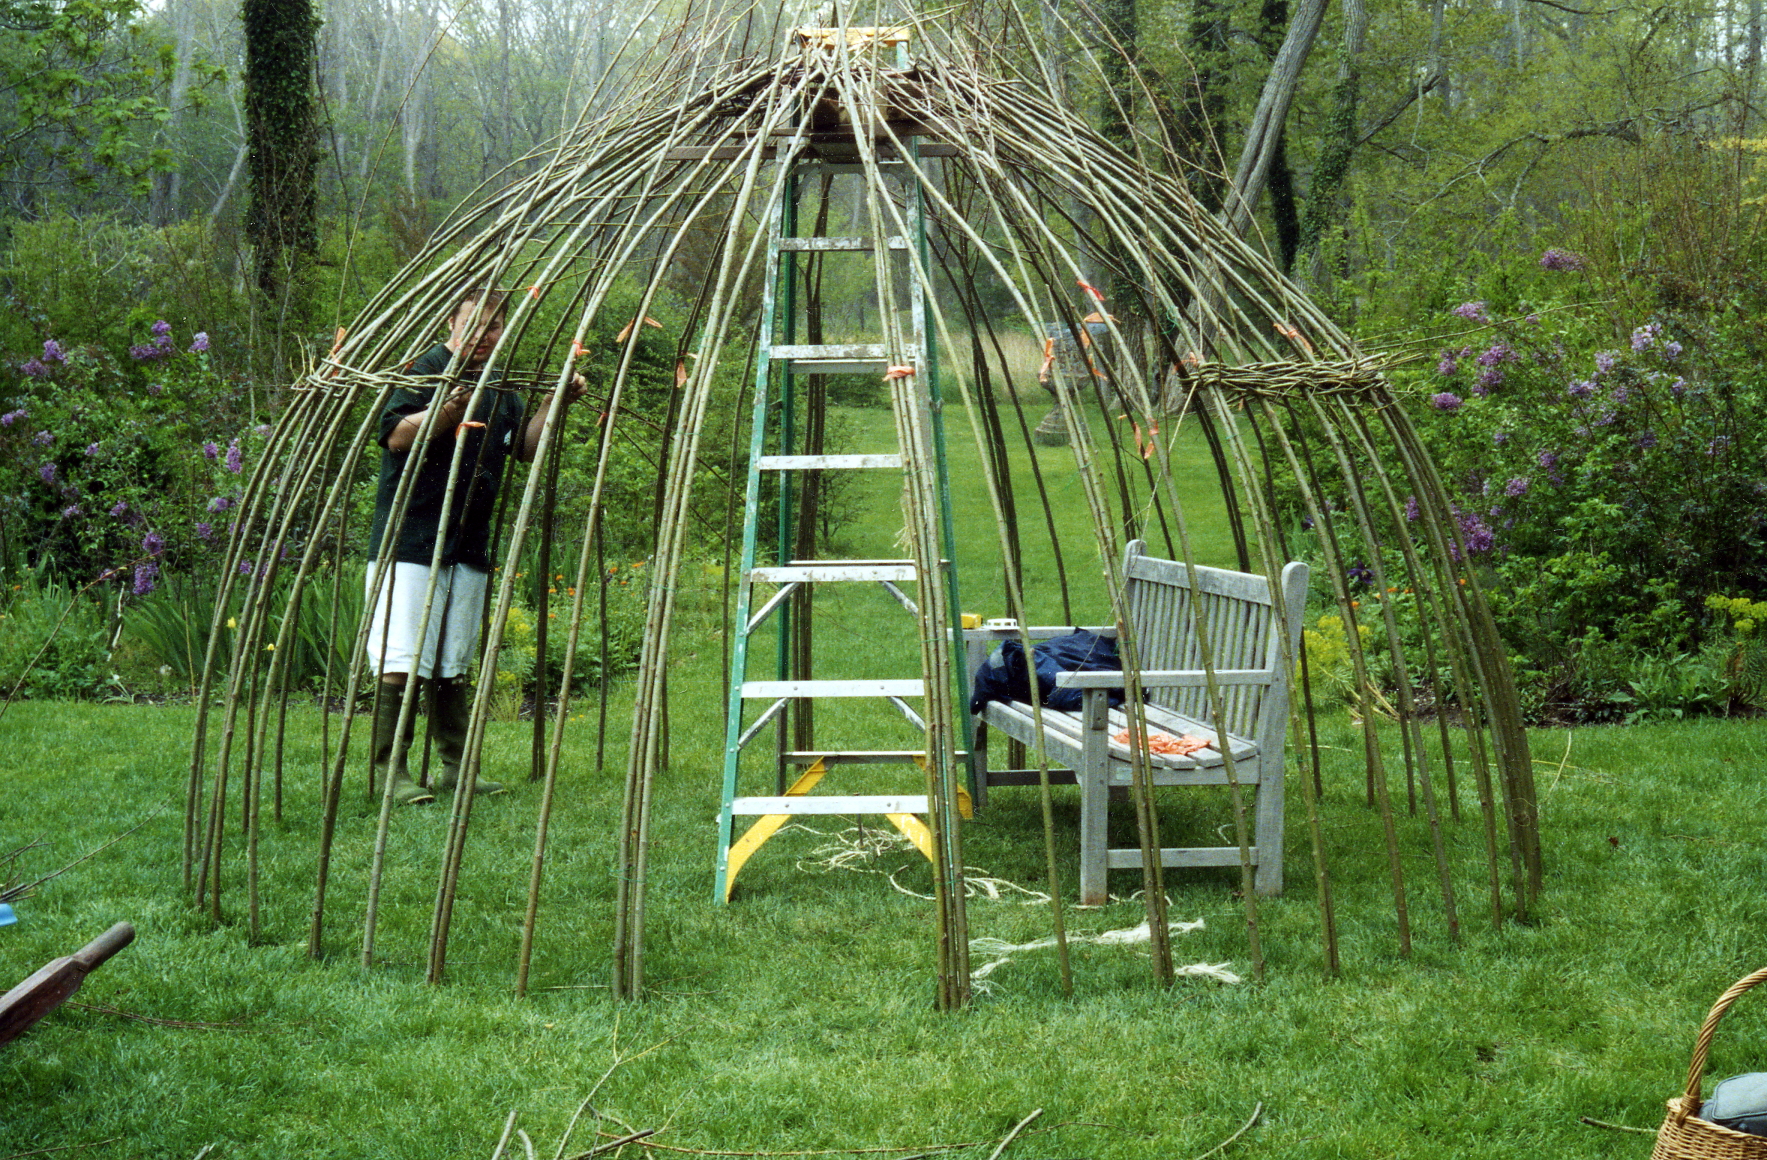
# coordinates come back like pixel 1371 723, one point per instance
pixel 282 218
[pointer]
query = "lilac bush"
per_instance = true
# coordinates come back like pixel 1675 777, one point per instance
pixel 136 501
pixel 1609 488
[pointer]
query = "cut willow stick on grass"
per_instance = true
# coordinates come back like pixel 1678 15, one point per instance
pixel 61 1147
pixel 1006 1142
pixel 1243 1129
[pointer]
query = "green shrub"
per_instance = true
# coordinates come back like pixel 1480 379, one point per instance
pixel 54 641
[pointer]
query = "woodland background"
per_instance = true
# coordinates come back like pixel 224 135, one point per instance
pixel 1545 214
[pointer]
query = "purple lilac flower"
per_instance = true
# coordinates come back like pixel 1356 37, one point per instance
pixel 155 388
pixel 1475 533
pixel 34 369
pixel 1411 512
pixel 203 531
pixel 1671 350
pixel 199 342
pixel 153 543
pixel 47 472
pixel 233 457
pixel 1500 352
pixel 209 450
pixel 1605 419
pixel 1547 459
pixel 146 573
pixel 1489 380
pixel 246 567
pixel 43 438
pixel 220 503
pixel 119 507
pixel 1449 364
pixel 1499 438
pixel 1581 389
pixel 71 511
pixel 1648 440
pixel 1472 312
pixel 1678 388
pixel 91 449
pixel 12 417
pixel 1561 260
pixel 262 430
pixel 1604 361
pixel 1446 401
pixel 52 352
pixel 146 352
pixel 160 329
pixel 1516 487
pixel 1645 336
pixel 1620 393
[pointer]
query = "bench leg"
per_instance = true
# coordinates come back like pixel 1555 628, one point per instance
pixel 1093 774
pixel 978 749
pixel 1268 880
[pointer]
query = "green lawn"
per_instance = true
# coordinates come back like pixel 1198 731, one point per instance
pixel 800 1017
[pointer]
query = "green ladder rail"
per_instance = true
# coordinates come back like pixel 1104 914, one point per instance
pixel 765 592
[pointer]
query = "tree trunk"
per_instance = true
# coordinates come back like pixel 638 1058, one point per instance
pixel 282 221
pixel 1342 132
pixel 1205 101
pixel 1264 133
pixel 1284 216
pixel 167 187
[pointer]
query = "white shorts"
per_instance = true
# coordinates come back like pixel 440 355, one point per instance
pixel 453 622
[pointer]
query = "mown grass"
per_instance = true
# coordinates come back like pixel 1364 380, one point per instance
pixel 800 1017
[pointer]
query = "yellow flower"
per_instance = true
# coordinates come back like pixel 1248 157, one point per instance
pixel 271 647
pixel 231 623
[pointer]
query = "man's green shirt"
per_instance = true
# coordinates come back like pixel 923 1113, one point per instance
pixel 468 526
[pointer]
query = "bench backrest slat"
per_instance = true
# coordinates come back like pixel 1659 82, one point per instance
pixel 1237 613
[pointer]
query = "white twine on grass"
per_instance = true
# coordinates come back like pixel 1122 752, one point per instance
pixel 1127 936
pixel 977 883
pixel 851 848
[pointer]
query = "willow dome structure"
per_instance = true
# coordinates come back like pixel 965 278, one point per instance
pixel 989 210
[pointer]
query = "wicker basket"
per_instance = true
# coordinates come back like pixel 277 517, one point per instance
pixel 1684 1136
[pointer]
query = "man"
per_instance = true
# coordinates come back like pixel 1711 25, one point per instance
pixel 491 431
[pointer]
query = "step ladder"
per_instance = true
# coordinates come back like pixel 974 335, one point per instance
pixel 776 598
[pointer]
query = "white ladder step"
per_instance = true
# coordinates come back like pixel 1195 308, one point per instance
pixel 756 690
pixel 813 244
pixel 867 351
pixel 830 804
pixel 838 366
pixel 833 570
pixel 822 462
pixel 859 757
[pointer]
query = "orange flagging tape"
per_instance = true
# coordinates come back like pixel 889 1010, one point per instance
pixel 1165 743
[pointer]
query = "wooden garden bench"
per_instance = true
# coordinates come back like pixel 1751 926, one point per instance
pixel 1252 672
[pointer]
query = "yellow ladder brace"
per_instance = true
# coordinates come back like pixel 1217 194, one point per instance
pixel 767 825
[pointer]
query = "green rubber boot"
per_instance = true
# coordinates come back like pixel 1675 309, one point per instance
pixel 450 716
pixel 389 754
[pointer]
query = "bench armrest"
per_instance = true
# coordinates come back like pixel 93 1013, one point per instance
pixel 1164 679
pixel 1037 632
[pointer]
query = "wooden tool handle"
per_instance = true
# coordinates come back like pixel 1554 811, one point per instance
pixel 105 945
